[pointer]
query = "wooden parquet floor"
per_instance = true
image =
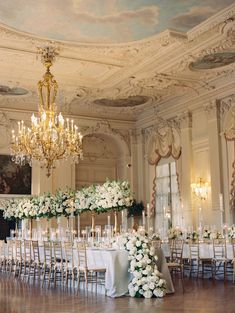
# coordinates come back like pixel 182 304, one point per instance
pixel 200 296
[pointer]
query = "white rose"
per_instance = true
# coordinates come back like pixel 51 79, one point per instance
pixel 145 287
pixel 138 243
pixel 158 293
pixel 148 294
pixel 151 286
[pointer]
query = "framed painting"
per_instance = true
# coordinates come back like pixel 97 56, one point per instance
pixel 14 179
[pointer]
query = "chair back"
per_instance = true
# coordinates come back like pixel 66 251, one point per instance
pixel 27 251
pixel 177 251
pixel 2 249
pixel 68 252
pixel 35 248
pixel 219 249
pixel 47 247
pixel 57 251
pixel 82 255
pixel 18 250
pixel 9 250
pixel 194 250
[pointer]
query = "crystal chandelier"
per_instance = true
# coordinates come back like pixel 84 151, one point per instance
pixel 50 138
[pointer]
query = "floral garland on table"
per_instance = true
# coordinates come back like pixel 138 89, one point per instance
pixel 146 281
pixel 174 233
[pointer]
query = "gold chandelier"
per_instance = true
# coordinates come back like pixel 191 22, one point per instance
pixel 50 137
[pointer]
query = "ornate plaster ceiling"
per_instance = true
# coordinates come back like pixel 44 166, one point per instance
pixel 106 20
pixel 120 80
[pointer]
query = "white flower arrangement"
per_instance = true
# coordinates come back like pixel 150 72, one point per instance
pixel 115 195
pixel 231 232
pixel 208 234
pixel 192 235
pixel 174 233
pixel 146 281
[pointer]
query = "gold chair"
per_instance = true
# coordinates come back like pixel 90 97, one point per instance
pixel 27 258
pixel 219 257
pixel 37 265
pixel 194 258
pixel 9 261
pixel 175 264
pixel 48 263
pixel 90 273
pixel 69 266
pixel 58 268
pixel 18 260
pixel 2 255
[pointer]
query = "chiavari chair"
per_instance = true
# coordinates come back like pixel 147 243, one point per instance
pixel 2 255
pixel 18 260
pixel 69 265
pixel 89 273
pixel 58 268
pixel 37 265
pixel 194 258
pixel 219 257
pixel 48 262
pixel 9 262
pixel 27 258
pixel 175 264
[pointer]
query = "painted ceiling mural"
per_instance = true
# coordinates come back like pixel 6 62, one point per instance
pixel 106 20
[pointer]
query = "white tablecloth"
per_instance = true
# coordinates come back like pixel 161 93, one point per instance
pixel 205 250
pixel 117 264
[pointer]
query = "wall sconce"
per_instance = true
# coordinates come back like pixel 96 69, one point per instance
pixel 200 189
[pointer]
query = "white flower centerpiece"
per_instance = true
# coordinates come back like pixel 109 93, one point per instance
pixel 192 235
pixel 231 232
pixel 147 281
pixel 174 233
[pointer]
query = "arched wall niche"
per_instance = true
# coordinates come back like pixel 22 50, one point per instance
pixel 163 143
pixel 106 156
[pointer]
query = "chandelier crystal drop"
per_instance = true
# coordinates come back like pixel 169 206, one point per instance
pixel 50 138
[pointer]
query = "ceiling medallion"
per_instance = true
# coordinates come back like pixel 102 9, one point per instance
pixel 50 138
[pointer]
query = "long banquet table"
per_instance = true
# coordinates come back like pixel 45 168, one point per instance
pixel 117 264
